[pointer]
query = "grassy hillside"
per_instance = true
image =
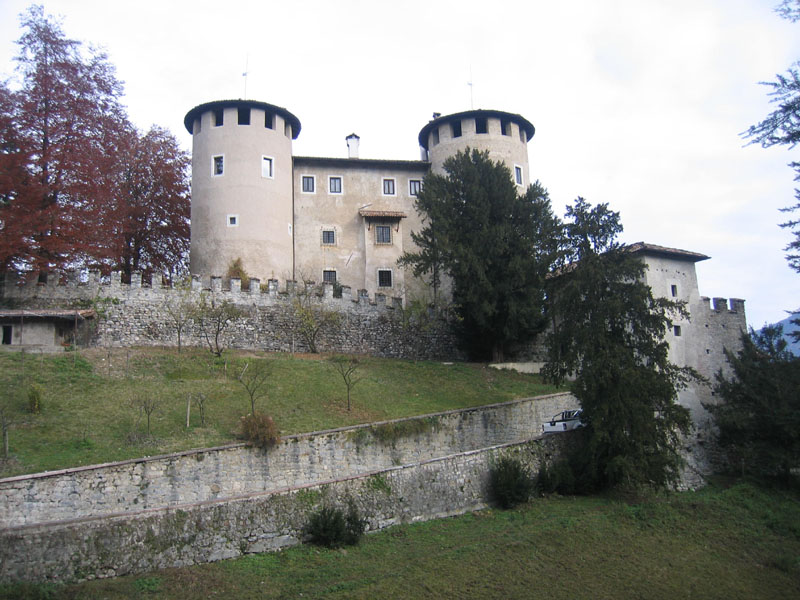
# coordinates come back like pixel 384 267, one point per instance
pixel 89 414
pixel 736 543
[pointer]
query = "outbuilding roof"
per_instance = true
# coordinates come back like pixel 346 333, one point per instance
pixel 47 313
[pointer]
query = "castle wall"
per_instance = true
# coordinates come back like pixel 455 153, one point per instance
pixel 138 314
pixel 217 473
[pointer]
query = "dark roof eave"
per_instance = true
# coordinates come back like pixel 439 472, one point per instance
pixel 667 252
pixel 526 125
pixel 188 120
pixel 410 165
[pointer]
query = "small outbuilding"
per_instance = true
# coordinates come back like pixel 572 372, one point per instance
pixel 48 330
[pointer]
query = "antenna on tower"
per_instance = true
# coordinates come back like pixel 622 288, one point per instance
pixel 246 61
pixel 469 83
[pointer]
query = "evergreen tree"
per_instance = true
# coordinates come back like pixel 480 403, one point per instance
pixel 488 241
pixel 759 417
pixel 609 335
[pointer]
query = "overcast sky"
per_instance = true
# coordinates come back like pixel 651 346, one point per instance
pixel 637 103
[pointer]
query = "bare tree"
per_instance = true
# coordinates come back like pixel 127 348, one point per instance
pixel 311 316
pixel 347 367
pixel 254 379
pixel 148 403
pixel 212 317
pixel 180 310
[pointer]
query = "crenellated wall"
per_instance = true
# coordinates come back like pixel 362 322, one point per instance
pixel 138 314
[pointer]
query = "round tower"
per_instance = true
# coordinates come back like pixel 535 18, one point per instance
pixel 504 135
pixel 242 187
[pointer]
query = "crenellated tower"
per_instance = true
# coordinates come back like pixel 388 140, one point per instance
pixel 242 187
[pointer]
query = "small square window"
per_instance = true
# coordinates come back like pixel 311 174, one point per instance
pixel 335 185
pixel 233 220
pixel 517 175
pixel 329 276
pixel 244 116
pixel 674 290
pixel 218 117
pixel 267 167
pixel 218 166
pixel 388 187
pixel 328 237
pixel 383 234
pixel 384 278
pixel 677 330
pixel 308 184
pixel 456 129
pixel 414 187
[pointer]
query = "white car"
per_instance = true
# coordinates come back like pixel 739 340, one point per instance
pixel 564 421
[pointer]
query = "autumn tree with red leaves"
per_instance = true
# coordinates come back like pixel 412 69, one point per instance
pixel 79 186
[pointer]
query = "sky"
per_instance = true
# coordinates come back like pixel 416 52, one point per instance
pixel 637 103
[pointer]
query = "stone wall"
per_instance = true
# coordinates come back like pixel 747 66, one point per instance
pixel 138 314
pixel 186 534
pixel 217 473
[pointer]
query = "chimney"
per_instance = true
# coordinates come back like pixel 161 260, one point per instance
pixel 352 145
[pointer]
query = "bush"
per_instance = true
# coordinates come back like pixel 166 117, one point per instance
pixel 510 483
pixel 332 528
pixel 35 399
pixel 260 430
pixel 557 478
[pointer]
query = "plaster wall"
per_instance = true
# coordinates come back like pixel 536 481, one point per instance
pixel 262 205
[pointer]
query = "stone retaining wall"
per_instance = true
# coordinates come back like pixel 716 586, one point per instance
pixel 201 532
pixel 217 473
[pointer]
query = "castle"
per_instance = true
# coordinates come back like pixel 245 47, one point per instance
pixel 343 220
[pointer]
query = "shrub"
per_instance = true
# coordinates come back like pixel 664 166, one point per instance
pixel 35 399
pixel 260 430
pixel 332 528
pixel 556 478
pixel 509 482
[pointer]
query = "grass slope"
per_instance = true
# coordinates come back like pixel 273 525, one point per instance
pixel 736 543
pixel 87 417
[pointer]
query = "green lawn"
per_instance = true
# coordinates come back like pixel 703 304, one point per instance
pixel 736 543
pixel 87 417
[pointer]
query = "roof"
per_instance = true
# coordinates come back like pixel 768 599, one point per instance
pixel 666 252
pixel 364 163
pixel 48 313
pixel 523 123
pixel 188 120
pixel 382 214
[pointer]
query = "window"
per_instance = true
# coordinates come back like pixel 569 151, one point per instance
pixel 267 167
pixel 329 277
pixel 481 125
pixel 328 237
pixel 308 184
pixel 505 127
pixel 517 175
pixel 456 128
pixel 384 278
pixel 233 220
pixel 388 187
pixel 522 135
pixel 414 186
pixel 7 329
pixel 435 135
pixel 244 116
pixel 674 290
pixel 218 117
pixel 269 120
pixel 383 234
pixel 677 330
pixel 335 185
pixel 218 165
